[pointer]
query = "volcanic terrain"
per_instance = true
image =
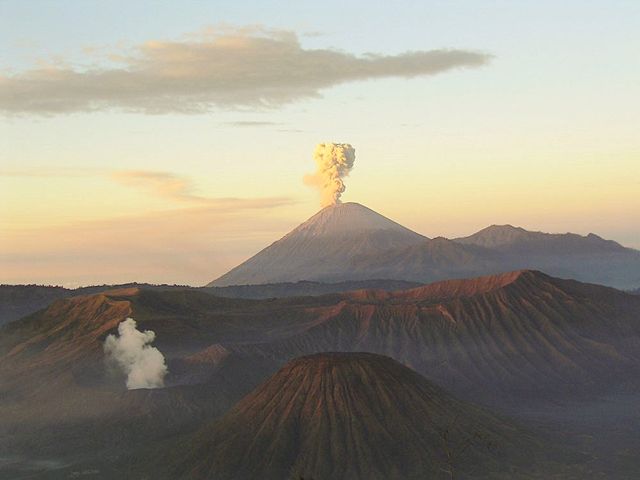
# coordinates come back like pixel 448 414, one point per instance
pixel 354 416
pixel 348 241
pixel 520 342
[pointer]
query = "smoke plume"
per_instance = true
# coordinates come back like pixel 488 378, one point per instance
pixel 132 353
pixel 334 161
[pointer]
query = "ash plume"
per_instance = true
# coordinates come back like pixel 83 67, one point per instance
pixel 131 352
pixel 334 161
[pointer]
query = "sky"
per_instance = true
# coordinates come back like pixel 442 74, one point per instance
pixel 166 141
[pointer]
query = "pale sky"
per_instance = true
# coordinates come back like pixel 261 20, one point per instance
pixel 166 141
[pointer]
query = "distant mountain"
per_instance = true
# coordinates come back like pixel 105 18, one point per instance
pixel 354 416
pixel 497 236
pixel 507 237
pixel 347 242
pixel 323 248
pixel 587 258
pixel 427 261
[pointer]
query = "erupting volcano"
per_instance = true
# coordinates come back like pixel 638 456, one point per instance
pixel 324 247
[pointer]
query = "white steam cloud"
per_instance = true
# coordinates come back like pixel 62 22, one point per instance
pixel 132 353
pixel 334 162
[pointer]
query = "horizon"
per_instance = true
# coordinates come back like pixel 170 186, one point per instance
pixel 141 282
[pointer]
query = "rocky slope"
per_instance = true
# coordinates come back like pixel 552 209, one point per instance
pixel 17 301
pixel 514 333
pixel 517 335
pixel 353 416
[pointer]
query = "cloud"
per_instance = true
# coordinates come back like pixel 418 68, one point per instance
pixel 131 352
pixel 218 68
pixel 251 123
pixel 178 188
pixel 195 240
pixel 167 185
pixel 164 184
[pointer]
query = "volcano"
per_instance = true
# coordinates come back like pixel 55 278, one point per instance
pixel 351 416
pixel 350 242
pixel 324 247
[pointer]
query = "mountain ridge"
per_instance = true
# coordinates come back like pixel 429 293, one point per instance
pixel 508 236
pixel 17 301
pixel 578 333
pixel 350 242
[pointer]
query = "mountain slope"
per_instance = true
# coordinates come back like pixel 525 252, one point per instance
pixel 351 416
pixel 322 248
pixel 427 261
pixel 587 258
pixel 519 333
pixel 63 344
pixel 516 238
pixel 17 301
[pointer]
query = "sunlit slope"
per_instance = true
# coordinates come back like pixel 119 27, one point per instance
pixel 351 416
pixel 323 247
pixel 522 333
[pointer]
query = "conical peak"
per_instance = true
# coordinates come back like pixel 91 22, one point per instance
pixel 328 361
pixel 345 218
pixel 298 410
pixel 324 247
